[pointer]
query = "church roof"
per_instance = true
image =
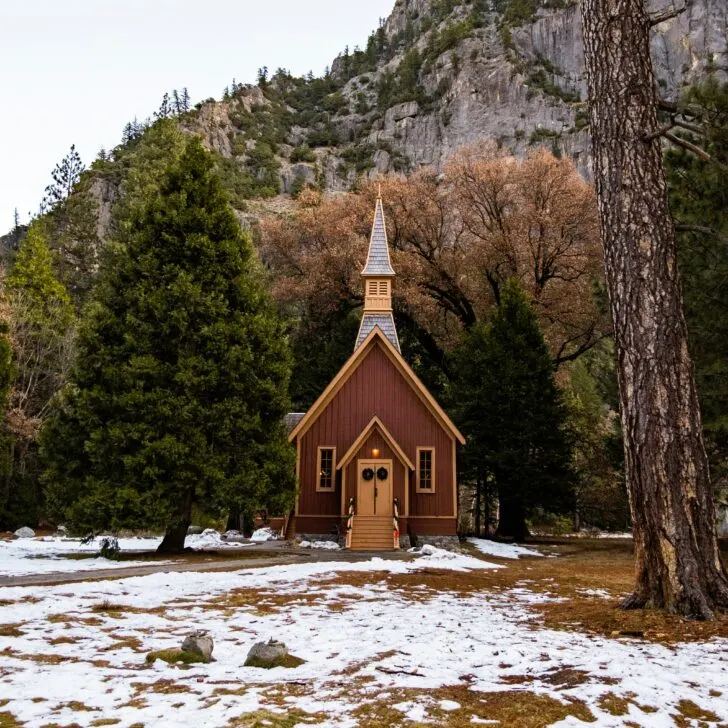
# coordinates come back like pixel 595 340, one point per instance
pixel 384 322
pixel 292 419
pixel 378 263
pixel 376 337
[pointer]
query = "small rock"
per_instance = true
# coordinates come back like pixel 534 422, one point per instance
pixel 194 530
pixel 266 654
pixel 62 530
pixel 24 532
pixel 199 643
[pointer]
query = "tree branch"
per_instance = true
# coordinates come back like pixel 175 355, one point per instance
pixel 669 106
pixel 660 132
pixel 702 229
pixel 666 14
pixel 690 127
pixel 695 149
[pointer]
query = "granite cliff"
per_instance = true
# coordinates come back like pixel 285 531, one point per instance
pixel 445 73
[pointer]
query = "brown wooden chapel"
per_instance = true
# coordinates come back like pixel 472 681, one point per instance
pixel 375 454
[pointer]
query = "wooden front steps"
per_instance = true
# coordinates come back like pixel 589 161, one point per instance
pixel 372 533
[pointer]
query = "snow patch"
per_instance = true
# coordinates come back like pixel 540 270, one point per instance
pixel 264 534
pixel 394 638
pixel 502 550
pixel 324 545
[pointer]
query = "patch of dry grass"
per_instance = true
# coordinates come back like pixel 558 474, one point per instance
pixel 512 709
pixel 70 619
pixel 11 630
pixel 40 659
pixel 8 720
pixel 75 705
pixel 268 719
pixel 688 713
pixel 124 641
pixel 165 686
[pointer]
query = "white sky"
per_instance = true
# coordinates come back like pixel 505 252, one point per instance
pixel 75 71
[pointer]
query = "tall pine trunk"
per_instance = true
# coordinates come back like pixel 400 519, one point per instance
pixel 512 517
pixel 678 565
pixel 176 533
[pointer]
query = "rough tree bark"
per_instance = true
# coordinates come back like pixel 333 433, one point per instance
pixel 677 557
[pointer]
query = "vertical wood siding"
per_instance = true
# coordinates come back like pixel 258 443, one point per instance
pixel 377 388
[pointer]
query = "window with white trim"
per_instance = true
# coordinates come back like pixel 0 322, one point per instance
pixel 326 468
pixel 425 469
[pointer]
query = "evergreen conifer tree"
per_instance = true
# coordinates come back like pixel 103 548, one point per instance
pixel 65 176
pixel 41 326
pixel 6 376
pixel 698 202
pixel 181 379
pixel 165 108
pixel 512 413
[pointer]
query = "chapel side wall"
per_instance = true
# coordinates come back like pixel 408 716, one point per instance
pixel 377 388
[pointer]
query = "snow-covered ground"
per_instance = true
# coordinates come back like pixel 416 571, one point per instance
pixel 46 554
pixel 502 550
pixel 78 654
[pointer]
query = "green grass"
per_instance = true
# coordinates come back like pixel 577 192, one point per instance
pixel 175 656
pixel 290 661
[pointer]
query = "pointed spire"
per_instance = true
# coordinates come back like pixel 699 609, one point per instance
pixel 378 262
pixel 379 275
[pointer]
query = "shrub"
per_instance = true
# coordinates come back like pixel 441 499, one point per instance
pixel 303 153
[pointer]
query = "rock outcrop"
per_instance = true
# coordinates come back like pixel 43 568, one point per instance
pixel 520 82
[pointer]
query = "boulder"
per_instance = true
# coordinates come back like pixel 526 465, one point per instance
pixel 24 532
pixel 194 530
pixel 199 643
pixel 267 654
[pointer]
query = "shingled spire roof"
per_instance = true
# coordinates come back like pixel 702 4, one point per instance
pixel 378 263
pixel 378 280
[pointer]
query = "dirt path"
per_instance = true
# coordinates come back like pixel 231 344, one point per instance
pixel 265 558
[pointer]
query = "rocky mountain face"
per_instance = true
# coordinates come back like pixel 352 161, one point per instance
pixel 440 74
pixel 436 75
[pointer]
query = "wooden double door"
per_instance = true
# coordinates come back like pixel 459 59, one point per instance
pixel 374 488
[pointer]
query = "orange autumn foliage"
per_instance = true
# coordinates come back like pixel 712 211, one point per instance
pixel 456 238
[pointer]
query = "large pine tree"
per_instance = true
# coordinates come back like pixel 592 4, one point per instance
pixel 678 562
pixel 182 374
pixel 512 413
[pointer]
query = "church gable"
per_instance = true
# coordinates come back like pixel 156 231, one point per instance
pixel 376 388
